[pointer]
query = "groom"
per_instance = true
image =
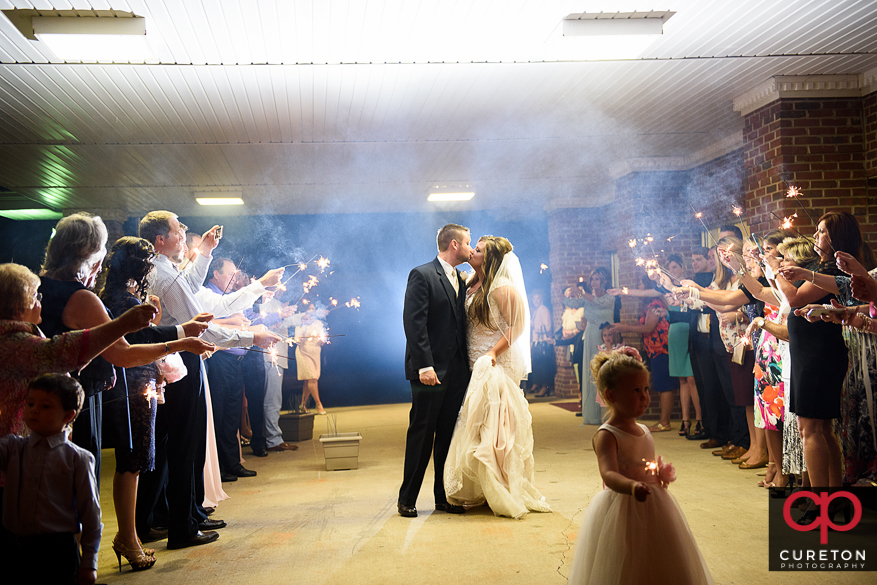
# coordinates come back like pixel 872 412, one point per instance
pixel 436 363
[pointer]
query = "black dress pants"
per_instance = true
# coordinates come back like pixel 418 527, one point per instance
pixel 432 418
pixel 255 385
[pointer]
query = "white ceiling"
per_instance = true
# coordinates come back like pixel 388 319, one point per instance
pixel 333 106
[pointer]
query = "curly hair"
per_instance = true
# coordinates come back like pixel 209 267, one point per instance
pixel 130 259
pixel 495 249
pixel 18 285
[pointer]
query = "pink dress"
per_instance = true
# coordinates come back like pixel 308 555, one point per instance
pixel 623 541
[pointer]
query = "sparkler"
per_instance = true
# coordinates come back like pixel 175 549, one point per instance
pixel 624 290
pixel 354 302
pixel 699 215
pixel 651 467
pixel 738 211
pixel 793 193
pixel 543 267
pixel 632 243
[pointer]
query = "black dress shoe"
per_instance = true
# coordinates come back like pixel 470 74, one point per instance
pixel 153 535
pixel 407 511
pixel 450 508
pixel 241 471
pixel 260 451
pixel 209 511
pixel 197 539
pixel 224 477
pixel 211 524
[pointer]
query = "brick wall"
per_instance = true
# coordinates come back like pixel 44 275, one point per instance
pixel 817 145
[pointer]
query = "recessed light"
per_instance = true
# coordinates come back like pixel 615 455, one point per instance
pixel 459 196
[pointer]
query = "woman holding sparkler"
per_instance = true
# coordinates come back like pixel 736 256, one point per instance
pixel 858 406
pixel 634 530
pixel 819 355
pixel 491 454
pixel 129 265
pixel 310 337
pixel 599 308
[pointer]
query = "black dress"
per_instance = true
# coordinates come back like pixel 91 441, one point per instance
pixel 136 411
pixel 95 378
pixel 819 365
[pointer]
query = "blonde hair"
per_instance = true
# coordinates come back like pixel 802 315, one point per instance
pixel 608 368
pixel 17 288
pixel 495 249
pixel 723 274
pixel 70 254
pixel 799 249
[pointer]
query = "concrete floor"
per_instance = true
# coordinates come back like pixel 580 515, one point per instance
pixel 298 523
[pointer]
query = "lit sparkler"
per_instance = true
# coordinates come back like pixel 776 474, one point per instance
pixel 632 243
pixel 624 290
pixel 354 302
pixel 699 215
pixel 651 467
pixel 543 267
pixel 738 211
pixel 323 263
pixel 787 221
pixel 793 193
pixel 640 261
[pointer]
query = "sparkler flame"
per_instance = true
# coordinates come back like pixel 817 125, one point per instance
pixel 793 191
pixel 311 283
pixel 543 267
pixel 640 261
pixel 632 243
pixel 698 215
pixel 323 263
pixel 624 290
pixel 787 221
pixel 738 210
pixel 354 302
pixel 651 467
pixel 151 392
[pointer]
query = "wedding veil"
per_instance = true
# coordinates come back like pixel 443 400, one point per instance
pixel 508 297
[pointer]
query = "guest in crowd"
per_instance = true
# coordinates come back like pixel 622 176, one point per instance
pixel 654 328
pixel 129 266
pixel 310 337
pixel 542 347
pixel 45 468
pixel 276 368
pixel 598 308
pixel 819 355
pixel 183 416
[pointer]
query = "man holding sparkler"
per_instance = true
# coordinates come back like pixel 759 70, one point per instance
pixel 225 370
pixel 183 416
pixel 436 364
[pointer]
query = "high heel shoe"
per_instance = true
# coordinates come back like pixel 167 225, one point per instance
pixel 684 428
pixel 138 559
pixel 699 433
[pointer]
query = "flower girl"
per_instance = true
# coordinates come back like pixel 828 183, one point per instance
pixel 633 531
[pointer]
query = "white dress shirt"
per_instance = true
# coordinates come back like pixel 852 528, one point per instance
pixel 176 289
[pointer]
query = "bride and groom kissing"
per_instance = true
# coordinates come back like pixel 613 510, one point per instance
pixel 467 349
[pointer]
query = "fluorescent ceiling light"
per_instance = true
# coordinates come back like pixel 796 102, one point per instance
pixel 460 196
pixel 219 200
pixel 96 39
pixel 621 35
pixel 30 214
pixel 458 192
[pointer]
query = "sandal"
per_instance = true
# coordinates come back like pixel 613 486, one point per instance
pixel 684 428
pixel 659 428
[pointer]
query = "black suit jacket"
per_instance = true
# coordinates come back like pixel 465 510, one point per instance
pixel 434 319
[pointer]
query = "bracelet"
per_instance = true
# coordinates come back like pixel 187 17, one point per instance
pixel 166 349
pixel 866 324
pixel 633 489
pixel 813 277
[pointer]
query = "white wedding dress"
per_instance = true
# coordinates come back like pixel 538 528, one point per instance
pixel 491 455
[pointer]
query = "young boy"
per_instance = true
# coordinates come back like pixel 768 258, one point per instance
pixel 50 493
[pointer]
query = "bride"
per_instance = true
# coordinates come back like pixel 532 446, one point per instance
pixel 491 454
